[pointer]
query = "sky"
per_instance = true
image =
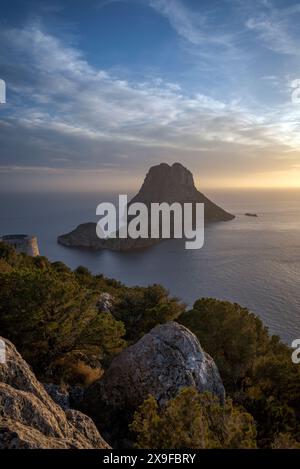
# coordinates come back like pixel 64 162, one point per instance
pixel 98 91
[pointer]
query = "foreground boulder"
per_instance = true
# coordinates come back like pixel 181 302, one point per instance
pixel 29 418
pixel 162 362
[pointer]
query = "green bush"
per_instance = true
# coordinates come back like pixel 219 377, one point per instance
pixel 140 309
pixel 285 441
pixel 46 314
pixel 192 420
pixel 232 335
pixel 256 368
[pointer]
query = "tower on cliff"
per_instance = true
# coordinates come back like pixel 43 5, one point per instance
pixel 23 243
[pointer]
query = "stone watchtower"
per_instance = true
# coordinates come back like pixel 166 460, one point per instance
pixel 23 243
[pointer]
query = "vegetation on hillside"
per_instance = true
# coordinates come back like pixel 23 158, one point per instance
pixel 52 315
pixel 193 420
pixel 256 368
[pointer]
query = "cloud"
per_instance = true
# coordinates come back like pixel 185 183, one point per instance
pixel 191 25
pixel 65 115
pixel 274 35
pixel 276 28
pixel 187 24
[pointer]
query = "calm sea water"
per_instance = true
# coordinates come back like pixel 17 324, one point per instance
pixel 252 261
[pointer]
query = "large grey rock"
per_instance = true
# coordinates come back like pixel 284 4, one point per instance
pixel 162 362
pixel 29 418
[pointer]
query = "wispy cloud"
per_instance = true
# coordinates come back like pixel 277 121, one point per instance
pixel 190 24
pixel 187 24
pixel 66 114
pixel 276 28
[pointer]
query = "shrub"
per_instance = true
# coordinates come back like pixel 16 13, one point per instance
pixel 140 309
pixel 232 335
pixel 285 441
pixel 192 420
pixel 47 313
pixel 256 368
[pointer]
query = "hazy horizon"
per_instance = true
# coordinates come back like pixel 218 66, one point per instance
pixel 131 190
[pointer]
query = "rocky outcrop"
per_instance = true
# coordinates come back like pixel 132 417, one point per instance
pixel 29 418
pixel 105 302
pixel 162 362
pixel 163 183
pixel 84 236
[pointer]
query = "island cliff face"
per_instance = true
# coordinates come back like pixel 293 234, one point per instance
pixel 163 183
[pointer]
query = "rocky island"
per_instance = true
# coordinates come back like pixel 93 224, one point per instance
pixel 163 183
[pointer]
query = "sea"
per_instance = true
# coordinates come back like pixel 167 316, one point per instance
pixel 251 261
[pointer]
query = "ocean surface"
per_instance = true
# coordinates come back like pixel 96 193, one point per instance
pixel 252 261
